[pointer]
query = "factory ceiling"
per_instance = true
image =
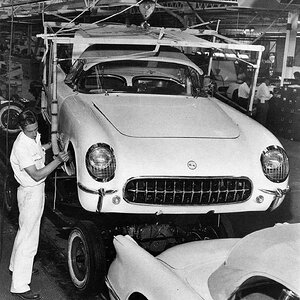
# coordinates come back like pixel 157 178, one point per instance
pixel 228 16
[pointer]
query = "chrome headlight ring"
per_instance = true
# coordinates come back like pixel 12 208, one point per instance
pixel 101 162
pixel 275 164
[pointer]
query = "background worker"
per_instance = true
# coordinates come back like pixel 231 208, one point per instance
pixel 244 93
pixel 28 163
pixel 297 77
pixel 263 96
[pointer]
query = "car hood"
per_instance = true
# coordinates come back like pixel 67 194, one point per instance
pixel 165 116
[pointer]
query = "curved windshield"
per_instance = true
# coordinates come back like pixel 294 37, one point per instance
pixel 140 76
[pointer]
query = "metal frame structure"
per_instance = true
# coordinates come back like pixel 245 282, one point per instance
pixel 193 38
pixel 27 8
pixel 61 6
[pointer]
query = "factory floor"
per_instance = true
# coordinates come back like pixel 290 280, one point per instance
pixel 41 283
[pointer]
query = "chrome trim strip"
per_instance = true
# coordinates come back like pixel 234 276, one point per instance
pixel 87 190
pixel 100 192
pixel 112 291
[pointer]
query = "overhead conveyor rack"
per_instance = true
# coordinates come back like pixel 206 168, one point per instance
pixel 84 35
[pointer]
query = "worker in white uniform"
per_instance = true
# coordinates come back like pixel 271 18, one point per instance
pixel 244 93
pixel 28 163
pixel 263 96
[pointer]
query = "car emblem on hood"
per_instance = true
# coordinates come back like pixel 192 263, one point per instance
pixel 192 165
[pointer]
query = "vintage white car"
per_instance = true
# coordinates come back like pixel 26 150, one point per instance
pixel 154 156
pixel 264 265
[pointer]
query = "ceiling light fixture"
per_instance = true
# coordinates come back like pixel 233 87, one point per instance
pixel 146 8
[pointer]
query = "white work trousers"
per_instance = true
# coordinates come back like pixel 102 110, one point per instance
pixel 31 202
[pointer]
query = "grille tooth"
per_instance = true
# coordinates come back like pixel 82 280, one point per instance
pixel 188 191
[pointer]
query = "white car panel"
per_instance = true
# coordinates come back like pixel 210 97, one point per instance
pixel 214 269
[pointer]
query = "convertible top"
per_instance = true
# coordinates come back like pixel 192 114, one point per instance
pixel 272 252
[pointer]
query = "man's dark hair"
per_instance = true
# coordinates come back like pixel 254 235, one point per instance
pixel 26 117
pixel 297 75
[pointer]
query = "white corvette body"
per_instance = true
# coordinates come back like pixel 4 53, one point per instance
pixel 210 269
pixel 172 150
pixel 152 155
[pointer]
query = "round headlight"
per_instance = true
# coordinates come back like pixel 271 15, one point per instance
pixel 275 163
pixel 100 162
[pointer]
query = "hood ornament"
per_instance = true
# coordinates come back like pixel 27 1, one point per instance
pixel 192 165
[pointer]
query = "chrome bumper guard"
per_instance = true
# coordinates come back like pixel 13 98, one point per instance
pixel 101 192
pixel 278 194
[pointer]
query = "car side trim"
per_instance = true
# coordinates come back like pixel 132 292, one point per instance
pixel 100 192
pixel 87 190
pixel 111 290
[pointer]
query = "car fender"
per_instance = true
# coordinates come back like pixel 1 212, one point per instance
pixel 136 270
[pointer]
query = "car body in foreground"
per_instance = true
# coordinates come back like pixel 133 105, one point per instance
pixel 263 265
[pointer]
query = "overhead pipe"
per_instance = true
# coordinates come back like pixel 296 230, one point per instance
pixel 54 108
pixel 22 3
pixel 254 82
pixel 45 93
pixel 211 56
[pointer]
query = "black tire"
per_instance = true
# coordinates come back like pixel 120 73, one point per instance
pixel 10 202
pixel 9 117
pixel 86 258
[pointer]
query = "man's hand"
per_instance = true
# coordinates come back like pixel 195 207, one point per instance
pixel 38 174
pixel 47 146
pixel 63 156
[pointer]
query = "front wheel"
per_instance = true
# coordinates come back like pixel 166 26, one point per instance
pixel 9 112
pixel 86 258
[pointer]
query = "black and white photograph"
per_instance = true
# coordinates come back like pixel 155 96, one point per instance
pixel 149 149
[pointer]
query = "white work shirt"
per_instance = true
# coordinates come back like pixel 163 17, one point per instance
pixel 263 93
pixel 244 90
pixel 25 153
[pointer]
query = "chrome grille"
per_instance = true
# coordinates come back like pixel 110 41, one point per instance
pixel 188 191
